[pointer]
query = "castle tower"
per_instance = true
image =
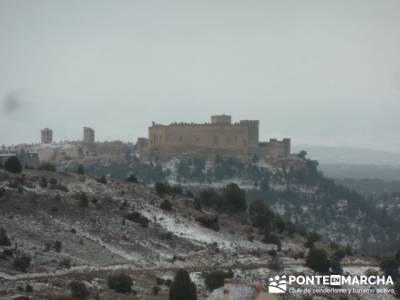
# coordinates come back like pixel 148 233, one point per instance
pixel 46 136
pixel 88 135
pixel 287 146
pixel 221 120
pixel 253 131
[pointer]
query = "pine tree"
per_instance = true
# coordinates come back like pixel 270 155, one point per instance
pixel 80 170
pixel 4 239
pixel 234 198
pixel 13 165
pixel 397 289
pixel 317 260
pixel 120 283
pixel 182 288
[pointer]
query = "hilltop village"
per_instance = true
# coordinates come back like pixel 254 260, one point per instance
pixel 207 140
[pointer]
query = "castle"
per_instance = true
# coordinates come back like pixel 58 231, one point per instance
pixel 221 137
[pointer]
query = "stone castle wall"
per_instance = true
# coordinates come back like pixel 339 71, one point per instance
pixel 218 137
pixel 199 136
pixel 275 149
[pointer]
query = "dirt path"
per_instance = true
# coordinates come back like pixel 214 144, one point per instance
pixel 95 271
pixel 98 270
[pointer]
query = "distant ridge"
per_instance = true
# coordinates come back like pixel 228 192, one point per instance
pixel 348 155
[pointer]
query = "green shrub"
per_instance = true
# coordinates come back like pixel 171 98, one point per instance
pixel 4 239
pixel 134 216
pixel 176 190
pixel 80 170
pixel 162 188
pixel 138 218
pixel 29 288
pixel 390 266
pixel 102 180
pixel 397 288
pixel 317 259
pixel 78 290
pixel 57 246
pixel 270 238
pixel 260 215
pixel 233 199
pixel 144 222
pixel 13 165
pixel 348 250
pixel 208 221
pixel 43 182
pixel 335 266
pixel 209 197
pixel 275 264
pixel 155 290
pixel 22 262
pixel 65 263
pixel 120 283
pixel 339 255
pixel 53 183
pixel 279 224
pixel 166 205
pixel 182 288
pixel 273 253
pixel 47 167
pixel 62 188
pixel 197 204
pixel 83 200
pixel 311 239
pixel 189 194
pixel 132 178
pixel 215 279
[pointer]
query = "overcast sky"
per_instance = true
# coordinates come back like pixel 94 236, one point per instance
pixel 321 72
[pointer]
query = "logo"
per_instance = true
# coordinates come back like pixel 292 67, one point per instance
pixel 330 283
pixel 277 284
pixel 335 280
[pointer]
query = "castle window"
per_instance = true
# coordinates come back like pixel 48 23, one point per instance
pixel 196 138
pixel 180 138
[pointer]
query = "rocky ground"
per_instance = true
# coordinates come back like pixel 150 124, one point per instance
pixel 76 228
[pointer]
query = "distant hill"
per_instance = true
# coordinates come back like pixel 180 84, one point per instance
pixel 381 172
pixel 349 155
pixel 354 163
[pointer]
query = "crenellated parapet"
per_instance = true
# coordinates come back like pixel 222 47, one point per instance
pixel 218 136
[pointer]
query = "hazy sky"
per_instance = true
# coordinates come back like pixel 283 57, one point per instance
pixel 321 72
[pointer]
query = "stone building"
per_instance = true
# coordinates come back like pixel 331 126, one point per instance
pixel 89 146
pixel 221 136
pixel 88 135
pixel 55 152
pixel 46 136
